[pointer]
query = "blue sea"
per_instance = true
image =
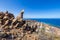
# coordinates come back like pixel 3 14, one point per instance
pixel 53 22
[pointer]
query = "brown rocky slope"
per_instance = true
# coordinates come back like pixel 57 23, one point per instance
pixel 12 28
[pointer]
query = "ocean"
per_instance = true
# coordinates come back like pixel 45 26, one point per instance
pixel 53 22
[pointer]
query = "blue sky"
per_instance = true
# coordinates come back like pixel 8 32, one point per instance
pixel 33 8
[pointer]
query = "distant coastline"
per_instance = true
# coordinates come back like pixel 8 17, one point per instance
pixel 51 21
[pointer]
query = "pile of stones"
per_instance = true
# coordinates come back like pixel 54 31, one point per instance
pixel 12 28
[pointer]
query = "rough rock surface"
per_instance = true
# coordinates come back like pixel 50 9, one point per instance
pixel 12 28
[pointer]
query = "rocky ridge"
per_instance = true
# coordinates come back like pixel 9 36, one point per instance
pixel 12 28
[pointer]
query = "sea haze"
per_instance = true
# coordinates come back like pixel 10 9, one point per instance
pixel 54 22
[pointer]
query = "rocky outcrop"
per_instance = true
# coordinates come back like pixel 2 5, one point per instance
pixel 14 28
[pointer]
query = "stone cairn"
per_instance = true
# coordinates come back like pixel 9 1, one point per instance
pixel 12 28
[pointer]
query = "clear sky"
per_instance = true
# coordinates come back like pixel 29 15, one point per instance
pixel 33 8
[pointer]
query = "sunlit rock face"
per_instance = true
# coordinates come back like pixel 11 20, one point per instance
pixel 20 16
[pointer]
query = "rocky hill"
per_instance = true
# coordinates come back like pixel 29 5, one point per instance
pixel 12 28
